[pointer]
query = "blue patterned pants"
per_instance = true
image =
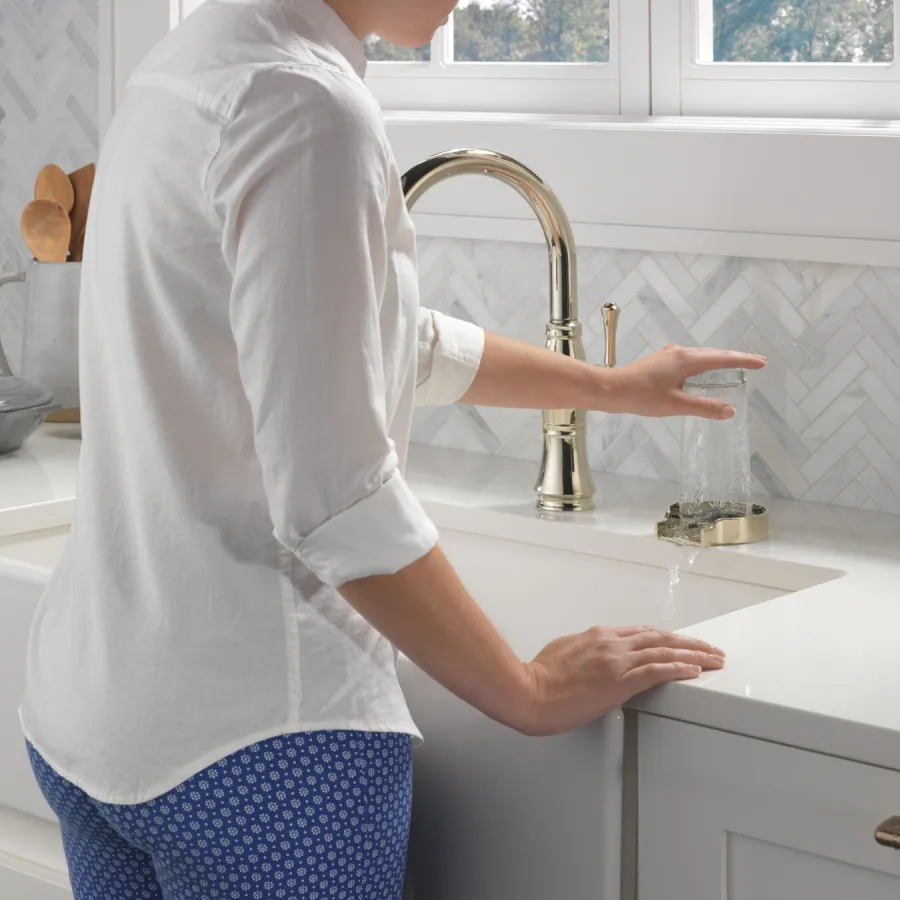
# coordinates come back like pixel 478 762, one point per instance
pixel 311 816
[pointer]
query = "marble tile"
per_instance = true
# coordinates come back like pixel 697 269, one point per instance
pixel 776 332
pixel 731 300
pixel 718 281
pixel 835 382
pixel 771 295
pixel 829 290
pixel 49 112
pixel 883 498
pixel 793 444
pixel 665 289
pixel 880 329
pixel 829 325
pixel 840 480
pixel 839 444
pixel 882 461
pixel 828 358
pixel 835 415
pixel 677 272
pixel 825 412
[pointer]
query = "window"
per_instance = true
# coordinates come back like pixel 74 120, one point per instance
pixel 750 58
pixel 807 58
pixel 812 31
pixel 510 31
pixel 378 50
pixel 548 56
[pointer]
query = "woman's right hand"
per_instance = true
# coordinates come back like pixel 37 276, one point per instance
pixel 579 679
pixel 428 614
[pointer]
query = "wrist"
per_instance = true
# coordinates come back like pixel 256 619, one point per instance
pixel 526 715
pixel 600 390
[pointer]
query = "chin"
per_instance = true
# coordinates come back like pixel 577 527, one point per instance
pixel 413 40
pixel 410 43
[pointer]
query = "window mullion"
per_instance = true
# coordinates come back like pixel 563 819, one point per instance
pixel 703 31
pixel 666 56
pixel 442 45
pixel 630 20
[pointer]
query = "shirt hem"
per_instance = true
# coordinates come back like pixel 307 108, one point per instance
pixel 197 765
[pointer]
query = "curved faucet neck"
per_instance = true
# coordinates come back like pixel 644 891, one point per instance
pixel 545 204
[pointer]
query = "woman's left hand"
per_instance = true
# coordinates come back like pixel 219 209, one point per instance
pixel 517 375
pixel 654 386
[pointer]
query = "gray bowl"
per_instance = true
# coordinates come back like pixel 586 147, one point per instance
pixel 23 408
pixel 17 425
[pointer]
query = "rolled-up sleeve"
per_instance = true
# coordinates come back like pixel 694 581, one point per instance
pixel 299 186
pixel 450 352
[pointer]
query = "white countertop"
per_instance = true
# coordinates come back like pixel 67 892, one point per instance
pixel 818 669
pixel 37 482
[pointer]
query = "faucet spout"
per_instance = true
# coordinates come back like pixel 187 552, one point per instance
pixel 542 200
pixel 565 483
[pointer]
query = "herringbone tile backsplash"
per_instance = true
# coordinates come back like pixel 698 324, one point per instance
pixel 48 114
pixel 826 411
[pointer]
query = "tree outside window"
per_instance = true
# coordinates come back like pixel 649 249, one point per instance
pixel 578 31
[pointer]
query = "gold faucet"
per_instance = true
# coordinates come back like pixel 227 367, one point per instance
pixel 565 483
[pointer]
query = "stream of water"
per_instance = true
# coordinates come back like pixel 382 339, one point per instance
pixel 716 478
pixel 681 559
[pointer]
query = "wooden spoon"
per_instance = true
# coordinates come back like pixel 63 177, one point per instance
pixel 47 231
pixel 83 185
pixel 53 184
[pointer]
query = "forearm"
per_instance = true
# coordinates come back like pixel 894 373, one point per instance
pixel 427 613
pixel 514 374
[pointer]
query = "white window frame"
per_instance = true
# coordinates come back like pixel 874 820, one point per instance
pixel 685 86
pixel 738 186
pixel 620 86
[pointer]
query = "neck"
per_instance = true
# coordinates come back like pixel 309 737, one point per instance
pixel 354 15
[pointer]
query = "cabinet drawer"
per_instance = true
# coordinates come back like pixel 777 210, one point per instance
pixel 726 816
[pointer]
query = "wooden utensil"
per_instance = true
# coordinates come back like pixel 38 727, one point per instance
pixel 65 417
pixel 47 231
pixel 83 185
pixel 53 184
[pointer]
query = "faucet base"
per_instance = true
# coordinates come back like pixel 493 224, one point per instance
pixel 552 504
pixel 565 483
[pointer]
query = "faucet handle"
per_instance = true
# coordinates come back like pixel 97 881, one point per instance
pixel 611 324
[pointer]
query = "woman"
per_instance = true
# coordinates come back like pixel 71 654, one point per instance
pixel 212 706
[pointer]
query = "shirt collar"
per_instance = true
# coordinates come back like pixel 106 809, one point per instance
pixel 331 29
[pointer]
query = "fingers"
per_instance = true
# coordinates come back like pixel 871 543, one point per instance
pixel 624 631
pixel 653 655
pixel 651 638
pixel 704 359
pixel 704 407
pixel 647 677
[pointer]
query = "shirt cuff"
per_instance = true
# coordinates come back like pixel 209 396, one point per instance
pixel 456 347
pixel 380 535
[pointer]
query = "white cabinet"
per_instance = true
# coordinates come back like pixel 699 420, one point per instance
pixel 32 866
pixel 16 885
pixel 725 816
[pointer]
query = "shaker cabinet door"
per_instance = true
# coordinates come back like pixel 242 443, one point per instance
pixel 724 816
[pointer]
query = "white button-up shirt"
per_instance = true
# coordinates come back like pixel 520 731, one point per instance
pixel 251 349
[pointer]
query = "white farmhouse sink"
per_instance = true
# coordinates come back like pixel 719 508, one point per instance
pixel 502 817
pixel 497 816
